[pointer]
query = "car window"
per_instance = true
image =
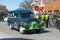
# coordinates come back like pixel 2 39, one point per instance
pixel 11 15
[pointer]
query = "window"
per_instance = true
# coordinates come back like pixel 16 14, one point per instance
pixel 54 0
pixel 49 12
pixel 47 1
pixel 56 11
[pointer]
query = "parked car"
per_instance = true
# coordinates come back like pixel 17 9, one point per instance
pixel 23 21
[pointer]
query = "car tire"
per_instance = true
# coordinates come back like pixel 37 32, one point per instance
pixel 11 26
pixel 59 27
pixel 21 30
pixel 37 30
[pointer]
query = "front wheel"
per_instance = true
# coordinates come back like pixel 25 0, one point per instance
pixel 11 26
pixel 21 30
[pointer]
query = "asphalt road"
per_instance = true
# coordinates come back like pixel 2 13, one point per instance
pixel 48 34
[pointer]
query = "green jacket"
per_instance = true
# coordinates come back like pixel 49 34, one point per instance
pixel 58 17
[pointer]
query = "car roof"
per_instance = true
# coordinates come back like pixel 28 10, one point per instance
pixel 21 11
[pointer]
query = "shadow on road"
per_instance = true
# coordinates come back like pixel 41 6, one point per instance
pixel 33 32
pixel 15 39
pixel 45 31
pixel 41 32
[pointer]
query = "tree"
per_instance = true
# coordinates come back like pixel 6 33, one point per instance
pixel 26 4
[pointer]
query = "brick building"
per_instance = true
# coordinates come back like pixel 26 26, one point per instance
pixel 50 5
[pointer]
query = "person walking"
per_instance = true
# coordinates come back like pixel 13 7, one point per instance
pixel 37 16
pixel 54 19
pixel 46 19
pixel 43 19
pixel 58 21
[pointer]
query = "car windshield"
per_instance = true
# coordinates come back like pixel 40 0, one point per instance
pixel 26 15
pixel 21 15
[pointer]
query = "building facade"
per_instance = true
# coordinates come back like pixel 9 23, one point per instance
pixel 50 5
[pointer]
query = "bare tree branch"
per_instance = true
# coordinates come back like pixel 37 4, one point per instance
pixel 26 4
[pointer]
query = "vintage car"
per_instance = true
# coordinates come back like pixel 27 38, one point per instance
pixel 24 21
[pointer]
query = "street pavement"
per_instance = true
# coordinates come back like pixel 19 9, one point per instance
pixel 47 34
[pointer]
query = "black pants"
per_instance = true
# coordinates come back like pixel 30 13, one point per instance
pixel 46 22
pixel 58 25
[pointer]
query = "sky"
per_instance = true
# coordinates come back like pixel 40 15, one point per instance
pixel 11 4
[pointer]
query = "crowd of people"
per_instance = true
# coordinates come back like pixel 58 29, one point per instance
pixel 50 20
pixel 44 18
